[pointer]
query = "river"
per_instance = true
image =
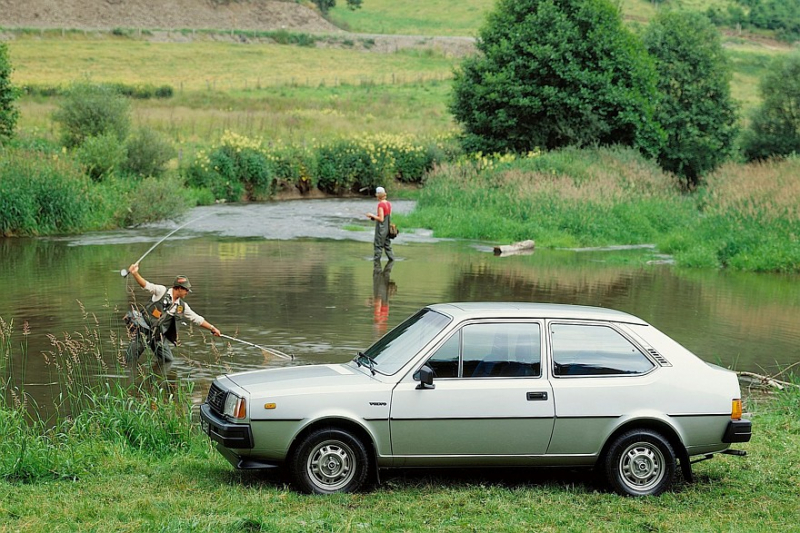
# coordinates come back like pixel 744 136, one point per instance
pixel 298 276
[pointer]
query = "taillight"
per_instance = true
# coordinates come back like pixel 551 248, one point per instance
pixel 736 409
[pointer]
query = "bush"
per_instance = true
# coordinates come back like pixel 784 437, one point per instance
pixel 775 125
pixel 8 94
pixel 101 155
pixel 295 167
pixel 91 111
pixel 347 165
pixel 154 199
pixel 41 194
pixel 148 153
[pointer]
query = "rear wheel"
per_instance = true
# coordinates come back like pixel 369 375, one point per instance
pixel 329 461
pixel 640 463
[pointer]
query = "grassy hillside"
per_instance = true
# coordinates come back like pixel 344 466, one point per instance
pixel 460 17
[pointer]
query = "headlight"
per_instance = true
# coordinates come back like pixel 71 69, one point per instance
pixel 235 407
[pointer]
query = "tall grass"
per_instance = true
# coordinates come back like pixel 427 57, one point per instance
pixel 564 198
pixel 745 217
pixel 749 219
pixel 92 416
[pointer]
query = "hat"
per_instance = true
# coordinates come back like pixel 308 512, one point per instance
pixel 183 281
pixel 380 190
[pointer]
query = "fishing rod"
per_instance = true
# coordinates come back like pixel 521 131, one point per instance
pixel 262 348
pixel 124 271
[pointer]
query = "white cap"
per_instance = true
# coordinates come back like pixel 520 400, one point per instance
pixel 380 190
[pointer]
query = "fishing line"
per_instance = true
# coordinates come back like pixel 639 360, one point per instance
pixel 272 351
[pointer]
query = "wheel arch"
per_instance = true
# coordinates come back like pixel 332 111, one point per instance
pixel 345 424
pixel 660 426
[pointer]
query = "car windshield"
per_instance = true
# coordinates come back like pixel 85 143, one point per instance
pixel 394 349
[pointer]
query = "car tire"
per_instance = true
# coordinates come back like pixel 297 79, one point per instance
pixel 328 461
pixel 640 463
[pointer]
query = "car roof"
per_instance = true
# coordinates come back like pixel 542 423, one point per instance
pixel 464 310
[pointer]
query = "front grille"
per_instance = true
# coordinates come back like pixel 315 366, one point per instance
pixel 216 398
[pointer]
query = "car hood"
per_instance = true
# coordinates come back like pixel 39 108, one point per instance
pixel 300 378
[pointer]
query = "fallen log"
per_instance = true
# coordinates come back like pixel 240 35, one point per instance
pixel 514 248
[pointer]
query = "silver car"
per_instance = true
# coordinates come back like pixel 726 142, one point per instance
pixel 486 384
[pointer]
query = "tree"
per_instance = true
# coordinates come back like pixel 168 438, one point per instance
pixel 326 5
pixel 554 73
pixel 8 95
pixel 695 107
pixel 775 125
pixel 91 111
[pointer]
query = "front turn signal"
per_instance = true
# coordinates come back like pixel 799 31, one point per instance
pixel 736 409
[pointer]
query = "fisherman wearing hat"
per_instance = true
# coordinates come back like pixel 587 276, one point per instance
pixel 382 221
pixel 159 321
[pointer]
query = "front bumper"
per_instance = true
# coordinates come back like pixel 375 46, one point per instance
pixel 237 436
pixel 737 431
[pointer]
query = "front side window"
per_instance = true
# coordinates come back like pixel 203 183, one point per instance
pixel 592 350
pixel 490 350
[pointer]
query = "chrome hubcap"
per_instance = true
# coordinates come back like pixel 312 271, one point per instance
pixel 330 465
pixel 641 466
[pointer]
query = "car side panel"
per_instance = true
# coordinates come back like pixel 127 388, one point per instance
pixel 471 417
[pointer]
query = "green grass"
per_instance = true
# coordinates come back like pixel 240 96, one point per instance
pixel 132 459
pixel 462 17
pixel 744 218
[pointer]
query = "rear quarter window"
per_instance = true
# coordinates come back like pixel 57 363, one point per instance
pixel 594 350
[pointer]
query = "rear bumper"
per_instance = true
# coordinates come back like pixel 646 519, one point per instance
pixel 237 436
pixel 737 431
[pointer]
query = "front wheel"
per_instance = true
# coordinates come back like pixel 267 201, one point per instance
pixel 640 463
pixel 329 461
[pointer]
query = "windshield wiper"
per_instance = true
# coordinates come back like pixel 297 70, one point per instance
pixel 369 359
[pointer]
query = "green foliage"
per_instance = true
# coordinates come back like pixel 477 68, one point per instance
pixel 775 125
pixel 139 92
pixel 350 165
pixel 566 197
pixel 695 108
pixel 153 199
pixel 342 165
pixel 326 5
pixel 101 156
pixel 780 15
pixel 90 111
pixel 148 153
pixel 237 170
pixel 294 166
pixel 41 194
pixel 556 73
pixel 8 95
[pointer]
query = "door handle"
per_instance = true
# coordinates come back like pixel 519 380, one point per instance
pixel 536 396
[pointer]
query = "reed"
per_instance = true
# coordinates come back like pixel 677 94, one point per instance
pixel 91 416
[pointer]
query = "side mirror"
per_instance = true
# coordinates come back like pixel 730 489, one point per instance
pixel 425 378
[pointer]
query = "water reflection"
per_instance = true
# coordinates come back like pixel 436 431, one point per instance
pixel 307 296
pixel 382 288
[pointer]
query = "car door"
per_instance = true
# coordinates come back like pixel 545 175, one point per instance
pixel 488 398
pixel 598 375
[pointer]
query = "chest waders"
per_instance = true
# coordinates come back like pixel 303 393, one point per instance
pixel 154 327
pixel 382 241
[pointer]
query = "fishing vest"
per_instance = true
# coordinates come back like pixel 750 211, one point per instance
pixel 161 323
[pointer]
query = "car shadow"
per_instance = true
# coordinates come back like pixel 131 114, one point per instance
pixel 583 480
